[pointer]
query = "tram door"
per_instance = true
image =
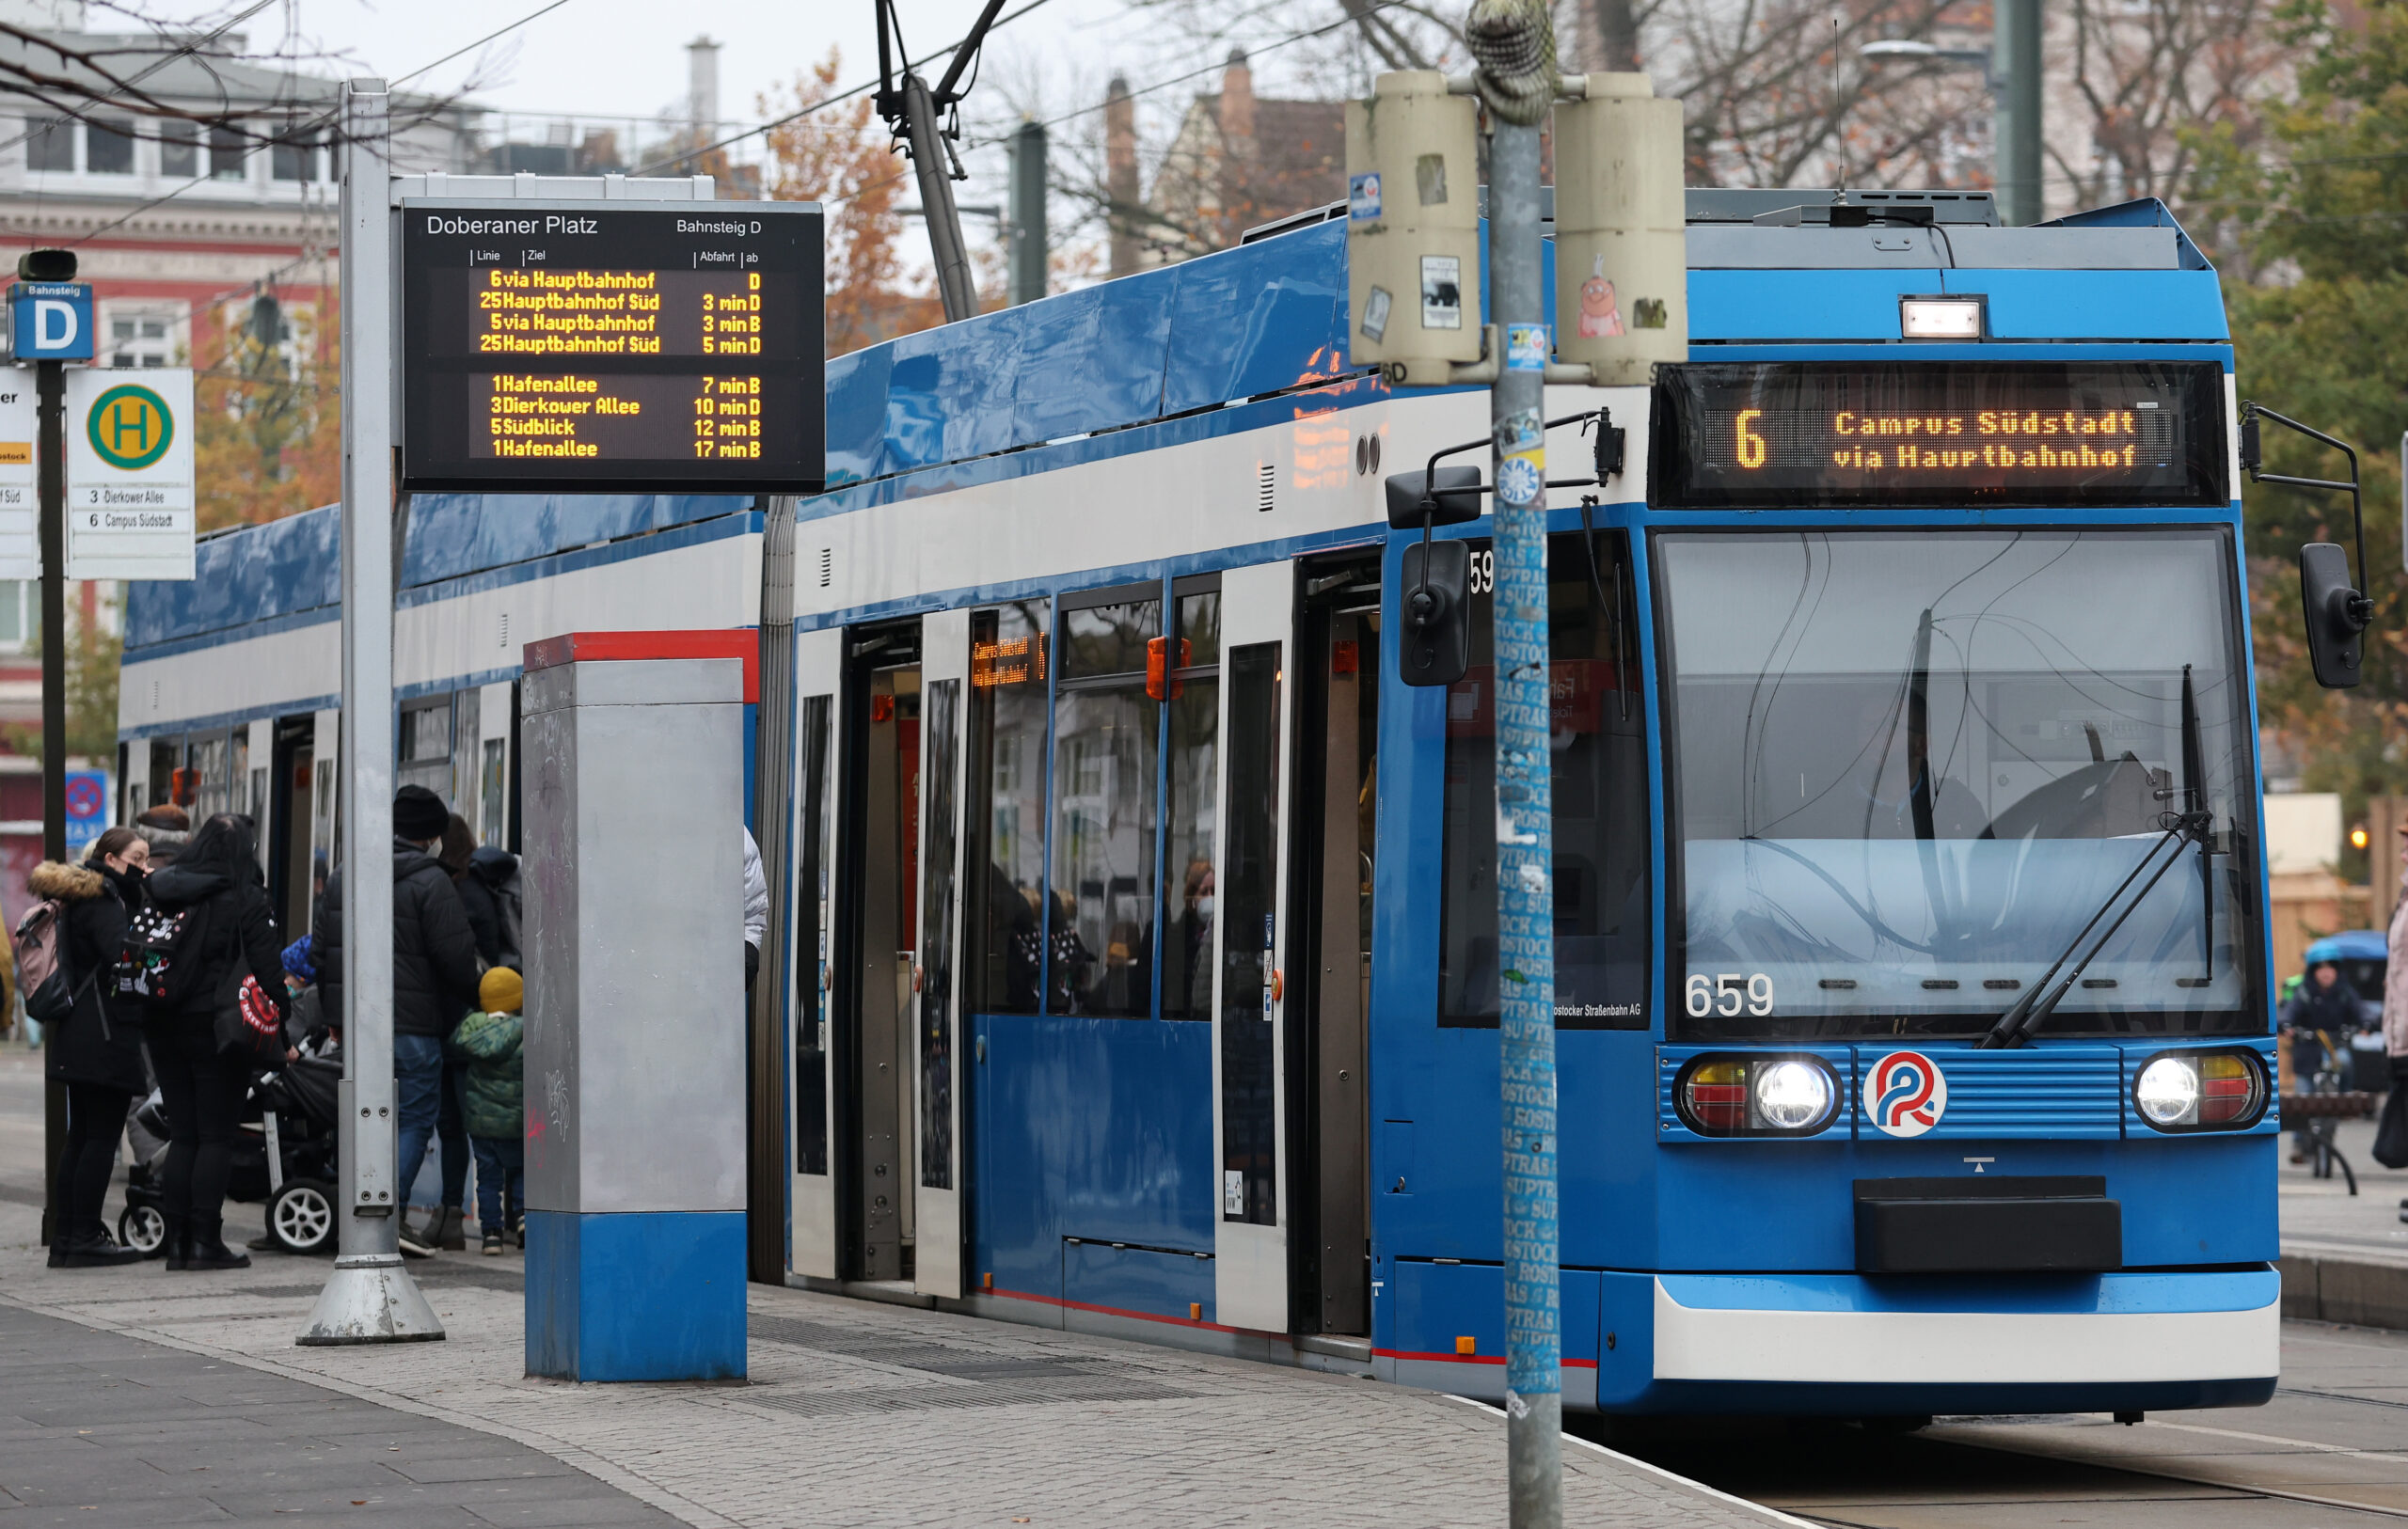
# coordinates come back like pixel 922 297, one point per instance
pixel 821 837
pixel 936 1074
pixel 1337 704
pixel 1251 997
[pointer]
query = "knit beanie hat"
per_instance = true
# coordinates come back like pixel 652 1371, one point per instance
pixel 501 992
pixel 418 814
pixel 296 960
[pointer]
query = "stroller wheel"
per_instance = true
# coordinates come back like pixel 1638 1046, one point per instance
pixel 142 1228
pixel 301 1217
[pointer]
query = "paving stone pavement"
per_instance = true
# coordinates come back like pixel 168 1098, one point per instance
pixel 854 1413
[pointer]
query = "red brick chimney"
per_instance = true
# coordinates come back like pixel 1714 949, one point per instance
pixel 1237 100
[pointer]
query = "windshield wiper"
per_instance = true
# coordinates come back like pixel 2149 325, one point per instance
pixel 2191 825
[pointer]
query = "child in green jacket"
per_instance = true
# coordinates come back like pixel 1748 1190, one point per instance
pixel 495 1106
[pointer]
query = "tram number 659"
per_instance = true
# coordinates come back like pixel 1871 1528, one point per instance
pixel 1727 992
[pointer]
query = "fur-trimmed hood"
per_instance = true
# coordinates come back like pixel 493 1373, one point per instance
pixel 68 883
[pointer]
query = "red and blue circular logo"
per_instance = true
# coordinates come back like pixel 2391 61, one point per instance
pixel 1905 1093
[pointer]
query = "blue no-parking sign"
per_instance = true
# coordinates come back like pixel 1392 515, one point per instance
pixel 88 810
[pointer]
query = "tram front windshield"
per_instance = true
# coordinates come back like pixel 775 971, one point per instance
pixel 1911 765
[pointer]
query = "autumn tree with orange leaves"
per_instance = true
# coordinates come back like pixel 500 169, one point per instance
pixel 841 156
pixel 267 440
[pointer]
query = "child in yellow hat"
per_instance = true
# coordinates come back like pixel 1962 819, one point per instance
pixel 495 1106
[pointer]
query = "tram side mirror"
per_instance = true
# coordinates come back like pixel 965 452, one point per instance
pixel 2335 648
pixel 1453 499
pixel 1437 600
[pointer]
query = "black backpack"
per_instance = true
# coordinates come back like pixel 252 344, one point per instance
pixel 151 966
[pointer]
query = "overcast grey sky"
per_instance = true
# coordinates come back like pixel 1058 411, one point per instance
pixel 627 57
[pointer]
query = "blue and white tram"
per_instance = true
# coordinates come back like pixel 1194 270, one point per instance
pixel 1146 974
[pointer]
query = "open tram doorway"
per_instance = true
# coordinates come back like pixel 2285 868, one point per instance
pixel 289 788
pixel 872 1044
pixel 1336 774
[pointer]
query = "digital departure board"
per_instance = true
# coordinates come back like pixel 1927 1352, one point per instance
pixel 2069 435
pixel 612 346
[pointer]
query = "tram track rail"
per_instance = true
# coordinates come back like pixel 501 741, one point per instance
pixel 2327 1449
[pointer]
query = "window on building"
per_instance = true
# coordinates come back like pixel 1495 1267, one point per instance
pixel 50 143
pixel 1107 737
pixel 1599 757
pixel 141 339
pixel 108 146
pixel 1004 853
pixel 179 149
pixel 295 160
pixel 228 156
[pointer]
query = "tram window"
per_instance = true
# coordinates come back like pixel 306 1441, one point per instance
pixel 1601 828
pixel 1912 764
pixel 812 875
pixel 1193 689
pixel 1005 817
pixel 427 748
pixel 1249 1170
pixel 1099 933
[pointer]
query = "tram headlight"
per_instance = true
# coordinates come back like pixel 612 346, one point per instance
pixel 1793 1096
pixel 2168 1091
pixel 2200 1090
pixel 1755 1096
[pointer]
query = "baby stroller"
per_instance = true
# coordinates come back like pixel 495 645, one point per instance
pixel 285 1157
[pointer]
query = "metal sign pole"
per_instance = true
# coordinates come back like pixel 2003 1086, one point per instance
pixel 371 1298
pixel 50 394
pixel 1516 48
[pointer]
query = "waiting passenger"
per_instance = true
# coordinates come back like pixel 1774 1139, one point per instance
pixel 496 1105
pixel 434 976
pixel 96 1051
pixel 167 828
pixel 230 932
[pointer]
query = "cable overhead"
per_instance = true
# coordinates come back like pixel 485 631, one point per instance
pixel 822 104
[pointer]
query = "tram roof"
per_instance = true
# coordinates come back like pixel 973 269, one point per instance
pixel 1268 317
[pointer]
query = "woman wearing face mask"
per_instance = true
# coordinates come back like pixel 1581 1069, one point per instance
pixel 96 1049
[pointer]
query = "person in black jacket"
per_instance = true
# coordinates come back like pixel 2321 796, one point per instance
pixel 435 972
pixel 96 1051
pixel 228 933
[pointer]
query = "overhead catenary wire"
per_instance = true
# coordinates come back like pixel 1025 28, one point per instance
pixel 1077 112
pixel 684 155
pixel 455 53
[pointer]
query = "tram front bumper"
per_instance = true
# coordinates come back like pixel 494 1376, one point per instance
pixel 1850 1345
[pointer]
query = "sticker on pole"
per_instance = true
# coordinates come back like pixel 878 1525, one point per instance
pixel 1905 1093
pixel 1363 197
pixel 1526 347
pixel 130 473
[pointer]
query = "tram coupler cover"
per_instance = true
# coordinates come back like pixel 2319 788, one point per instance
pixel 1987 1224
pixel 635 1031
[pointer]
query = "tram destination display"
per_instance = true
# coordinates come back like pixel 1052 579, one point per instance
pixel 611 346
pixel 1797 435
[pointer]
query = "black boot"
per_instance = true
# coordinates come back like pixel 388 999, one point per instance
pixel 177 1242
pixel 449 1235
pixel 88 1247
pixel 209 1250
